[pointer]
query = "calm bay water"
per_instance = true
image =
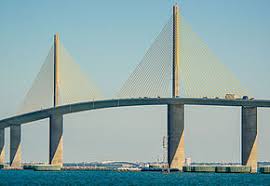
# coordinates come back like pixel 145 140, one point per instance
pixel 28 177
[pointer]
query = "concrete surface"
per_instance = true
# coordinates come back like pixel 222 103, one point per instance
pixel 56 140
pixel 15 146
pixel 2 146
pixel 176 153
pixel 249 137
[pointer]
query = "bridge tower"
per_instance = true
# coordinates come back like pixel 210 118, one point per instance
pixel 56 119
pixel 175 124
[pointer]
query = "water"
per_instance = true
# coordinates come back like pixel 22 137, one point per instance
pixel 29 177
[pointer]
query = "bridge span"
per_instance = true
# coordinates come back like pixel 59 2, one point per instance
pixel 103 104
pixel 175 109
pixel 175 129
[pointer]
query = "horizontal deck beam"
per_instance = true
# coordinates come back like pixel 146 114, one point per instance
pixel 93 105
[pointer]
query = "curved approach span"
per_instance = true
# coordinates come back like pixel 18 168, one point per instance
pixel 92 105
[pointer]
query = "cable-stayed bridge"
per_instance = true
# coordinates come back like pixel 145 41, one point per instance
pixel 178 69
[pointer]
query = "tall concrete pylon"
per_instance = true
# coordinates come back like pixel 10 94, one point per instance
pixel 175 125
pixel 176 49
pixel 56 119
pixel 249 137
pixel 2 146
pixel 56 70
pixel 15 146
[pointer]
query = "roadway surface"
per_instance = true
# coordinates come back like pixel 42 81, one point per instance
pixel 93 105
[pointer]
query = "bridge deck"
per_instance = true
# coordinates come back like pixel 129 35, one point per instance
pixel 92 105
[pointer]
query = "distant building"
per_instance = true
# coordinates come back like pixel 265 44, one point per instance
pixel 187 161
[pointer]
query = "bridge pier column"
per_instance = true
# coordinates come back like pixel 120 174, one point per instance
pixel 56 139
pixel 175 132
pixel 15 146
pixel 2 146
pixel 249 137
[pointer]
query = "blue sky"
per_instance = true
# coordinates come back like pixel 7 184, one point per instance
pixel 108 39
pixel 112 36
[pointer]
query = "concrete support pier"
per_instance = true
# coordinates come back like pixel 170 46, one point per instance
pixel 2 146
pixel 56 140
pixel 249 137
pixel 15 146
pixel 176 153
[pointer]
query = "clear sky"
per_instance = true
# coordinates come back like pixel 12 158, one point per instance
pixel 108 39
